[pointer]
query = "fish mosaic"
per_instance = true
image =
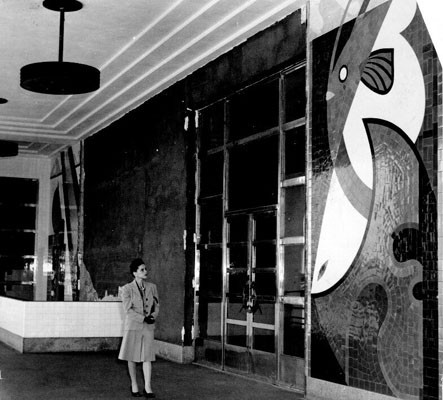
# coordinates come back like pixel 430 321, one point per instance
pixel 374 277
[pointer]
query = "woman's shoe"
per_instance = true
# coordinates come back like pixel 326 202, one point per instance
pixel 148 395
pixel 135 394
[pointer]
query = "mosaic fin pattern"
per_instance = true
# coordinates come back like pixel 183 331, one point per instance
pixel 378 74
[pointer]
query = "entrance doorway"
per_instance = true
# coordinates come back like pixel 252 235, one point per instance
pixel 251 293
pixel 249 278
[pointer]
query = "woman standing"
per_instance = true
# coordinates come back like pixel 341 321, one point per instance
pixel 140 303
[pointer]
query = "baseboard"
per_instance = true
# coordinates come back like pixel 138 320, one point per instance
pixel 55 345
pixel 11 340
pixel 169 351
pixel 317 389
pixel 174 352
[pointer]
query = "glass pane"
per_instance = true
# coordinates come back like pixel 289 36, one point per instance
pixel 16 272
pixel 10 263
pixel 265 285
pixel 18 200
pixel 265 255
pixel 253 174
pixel 211 126
pixel 18 290
pixel 238 228
pixel 211 273
pixel 264 340
pixel 254 110
pixel 236 335
pixel 236 310
pixel 210 293
pixel 210 319
pixel 295 152
pixel 295 95
pixel 265 313
pixel 294 331
pixel 18 191
pixel 236 306
pixel 265 226
pixel 294 211
pixel 17 243
pixel 211 182
pixel 211 220
pixel 294 270
pixel 16 217
pixel 238 257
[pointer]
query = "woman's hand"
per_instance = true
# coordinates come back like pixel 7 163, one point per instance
pixel 149 319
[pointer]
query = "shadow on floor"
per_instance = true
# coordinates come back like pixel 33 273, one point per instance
pixel 84 376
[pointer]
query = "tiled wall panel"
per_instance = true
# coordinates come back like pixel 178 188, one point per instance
pixel 73 319
pixel 375 103
pixel 61 319
pixel 12 315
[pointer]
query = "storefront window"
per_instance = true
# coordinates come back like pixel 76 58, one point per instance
pixel 18 210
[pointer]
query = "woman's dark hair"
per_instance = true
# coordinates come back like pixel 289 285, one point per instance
pixel 135 263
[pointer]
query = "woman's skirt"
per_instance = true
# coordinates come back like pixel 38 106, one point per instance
pixel 138 346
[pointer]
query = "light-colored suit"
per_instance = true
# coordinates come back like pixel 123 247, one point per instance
pixel 133 305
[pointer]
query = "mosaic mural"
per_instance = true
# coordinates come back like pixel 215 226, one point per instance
pixel 63 238
pixel 374 278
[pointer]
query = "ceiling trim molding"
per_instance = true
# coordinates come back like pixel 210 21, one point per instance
pixel 109 61
pixel 144 56
pixel 140 58
pixel 140 51
pixel 32 136
pixel 181 72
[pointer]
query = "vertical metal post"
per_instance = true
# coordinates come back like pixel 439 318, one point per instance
pixel 250 280
pixel 279 316
pixel 225 258
pixel 197 230
pixel 61 35
pixel 308 194
pixel 81 216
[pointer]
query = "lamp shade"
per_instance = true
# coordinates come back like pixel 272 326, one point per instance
pixel 8 149
pixel 59 77
pixel 65 5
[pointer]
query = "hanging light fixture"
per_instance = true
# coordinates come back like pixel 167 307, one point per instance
pixel 60 77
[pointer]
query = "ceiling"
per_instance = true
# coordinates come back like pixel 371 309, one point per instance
pixel 140 46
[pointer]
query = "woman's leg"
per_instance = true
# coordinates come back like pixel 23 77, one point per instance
pixel 147 368
pixel 133 375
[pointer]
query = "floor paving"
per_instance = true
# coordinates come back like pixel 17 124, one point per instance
pixel 84 376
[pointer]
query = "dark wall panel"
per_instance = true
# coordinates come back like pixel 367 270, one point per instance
pixel 139 185
pixel 135 204
pixel 270 50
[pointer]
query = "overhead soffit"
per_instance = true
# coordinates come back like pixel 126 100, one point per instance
pixel 141 48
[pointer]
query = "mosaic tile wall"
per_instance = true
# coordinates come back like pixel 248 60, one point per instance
pixel 374 213
pixel 63 227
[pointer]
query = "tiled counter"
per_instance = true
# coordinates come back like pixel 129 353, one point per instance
pixel 40 327
pixel 34 326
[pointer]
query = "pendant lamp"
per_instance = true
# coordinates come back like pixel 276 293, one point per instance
pixel 60 77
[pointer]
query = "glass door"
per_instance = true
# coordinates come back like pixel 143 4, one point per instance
pixel 251 293
pixel 250 239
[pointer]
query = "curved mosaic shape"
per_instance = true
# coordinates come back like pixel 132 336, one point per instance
pixel 394 350
pixel 368 314
pixel 348 203
pixel 406 243
pixel 349 101
pixel 400 342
